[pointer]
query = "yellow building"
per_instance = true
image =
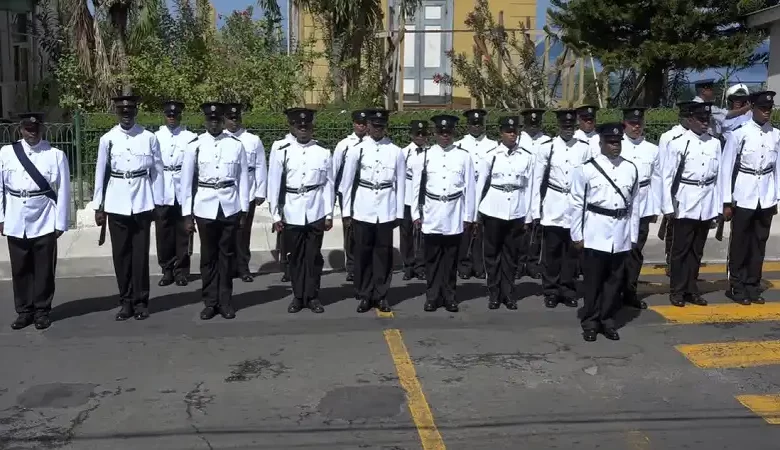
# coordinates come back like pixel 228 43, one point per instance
pixel 437 27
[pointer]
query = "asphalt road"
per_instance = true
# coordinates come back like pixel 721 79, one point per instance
pixel 478 379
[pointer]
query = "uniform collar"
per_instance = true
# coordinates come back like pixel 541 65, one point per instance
pixel 587 135
pixel 765 127
pixel 633 141
pixel 238 132
pixel 475 139
pixel 173 131
pixel 41 145
pixel 509 151
pixel 135 129
pixel 602 158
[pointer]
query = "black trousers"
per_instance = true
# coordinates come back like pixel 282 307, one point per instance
pixel 690 235
pixel 373 259
pixel 474 264
pixel 33 263
pixel 668 239
pixel 130 240
pixel 304 243
pixel 282 250
pixel 412 256
pixel 441 263
pixel 529 249
pixel 604 277
pixel 243 237
pixel 172 240
pixel 217 256
pixel 501 245
pixel 749 233
pixel 560 260
pixel 349 248
pixel 635 258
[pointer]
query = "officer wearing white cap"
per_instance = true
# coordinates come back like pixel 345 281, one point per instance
pixel 504 195
pixel 605 225
pixel 257 173
pixel 750 173
pixel 216 190
pixel 693 198
pixel 411 241
pixel 171 236
pixel 301 198
pixel 35 212
pixel 738 98
pixel 444 195
pixel 129 184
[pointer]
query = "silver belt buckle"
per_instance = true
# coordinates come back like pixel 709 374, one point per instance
pixel 127 175
pixel 701 182
pixel 219 184
pixel 301 190
pixel 24 194
pixel 444 198
pixel 758 172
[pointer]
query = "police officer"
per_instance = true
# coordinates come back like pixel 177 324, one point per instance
pixel 693 198
pixel 129 184
pixel 530 244
pixel 373 190
pixel 277 145
pixel 553 171
pixel 738 98
pixel 411 240
pixel 171 234
pixel 504 205
pixel 301 197
pixel 257 174
pixel 35 212
pixel 749 176
pixel 705 90
pixel 444 188
pixel 476 142
pixel 605 224
pixel 586 122
pixel 339 157
pixel 216 190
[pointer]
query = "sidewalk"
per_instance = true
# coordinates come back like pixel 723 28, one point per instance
pixel 80 256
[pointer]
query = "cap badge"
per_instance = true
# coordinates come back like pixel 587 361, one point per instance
pixel 511 122
pixel 476 115
pixel 614 131
pixel 125 103
pixel 173 107
pixel 362 114
pixel 768 97
pixel 533 115
pixel 213 108
pixel 444 122
pixel 636 113
pixel 590 110
pixel 33 119
pixel 232 109
pixel 379 114
pixel 419 125
pixel 707 108
pixel 568 115
pixel 303 115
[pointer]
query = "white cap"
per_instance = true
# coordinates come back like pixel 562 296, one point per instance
pixel 733 90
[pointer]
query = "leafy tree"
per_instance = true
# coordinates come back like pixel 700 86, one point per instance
pixel 658 37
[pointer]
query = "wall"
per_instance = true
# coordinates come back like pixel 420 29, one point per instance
pixel 17 69
pixel 773 82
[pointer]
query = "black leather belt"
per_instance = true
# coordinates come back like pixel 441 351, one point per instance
pixel 26 194
pixel 557 188
pixel 250 169
pixel 408 176
pixel 757 172
pixel 376 186
pixel 506 187
pixel 172 168
pixel 444 198
pixel 301 190
pixel 700 183
pixel 615 213
pixel 644 183
pixel 130 174
pixel 218 185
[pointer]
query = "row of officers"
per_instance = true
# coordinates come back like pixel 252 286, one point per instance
pixel 580 201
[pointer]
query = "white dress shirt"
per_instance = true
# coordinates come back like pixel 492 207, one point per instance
pixel 220 159
pixel 412 163
pixel 34 215
pixel 599 231
pixel 509 194
pixel 449 192
pixel 532 143
pixel 136 182
pixel 476 148
pixel 668 136
pixel 700 196
pixel 592 139
pixel 566 156
pixel 339 152
pixel 255 161
pixel 756 185
pixel 645 157
pixel 379 196
pixel 309 190
pixel 173 143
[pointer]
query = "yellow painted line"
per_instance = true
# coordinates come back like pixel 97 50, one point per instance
pixel 384 315
pixel 719 313
pixel 769 266
pixel 415 398
pixel 638 440
pixel 732 355
pixel 766 406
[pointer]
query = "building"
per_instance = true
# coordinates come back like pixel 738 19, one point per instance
pixel 437 27
pixel 769 18
pixel 19 69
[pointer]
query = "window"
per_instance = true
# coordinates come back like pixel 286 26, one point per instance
pixel 20 29
pixel 21 63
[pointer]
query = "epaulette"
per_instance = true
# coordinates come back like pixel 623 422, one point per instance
pixel 738 127
pixel 582 141
pixel 461 148
pixel 590 160
pixel 196 138
pixel 283 146
pixel 492 149
pixel 546 142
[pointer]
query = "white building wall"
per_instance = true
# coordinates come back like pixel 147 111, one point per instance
pixel 773 82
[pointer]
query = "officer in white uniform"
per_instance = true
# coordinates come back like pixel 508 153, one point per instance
pixel 35 212
pixel 693 198
pixel 553 171
pixel 738 97
pixel 644 155
pixel 470 260
pixel 605 225
pixel 373 188
pixel 586 131
pixel 257 170
pixel 171 233
pixel 301 198
pixel 339 157
pixel 504 206
pixel 216 190
pixel 411 241
pixel 705 90
pixel 446 180
pixel 129 185
pixel 530 245
pixel 749 175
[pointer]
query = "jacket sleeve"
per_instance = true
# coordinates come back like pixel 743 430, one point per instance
pixel 577 195
pixel 261 172
pixel 157 174
pixel 540 165
pixel 727 167
pixel 63 193
pixel 100 172
pixel 187 174
pixel 469 215
pixel 400 183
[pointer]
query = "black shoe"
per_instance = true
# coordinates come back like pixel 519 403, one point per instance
pixel 285 278
pixel 227 312
pixel 630 299
pixel 350 276
pixel 295 306
pixel 699 300
pixel 536 275
pixel 494 303
pixel 421 276
pixel 208 313
pixel 430 306
pixel 677 302
pixel 407 275
pixel 23 321
pixel 315 306
pixel 570 302
pixel 589 335
pixel 550 302
pixel 511 304
pixel 384 305
pixel 451 307
pixel 480 276
pixel 42 322
pixel 247 278
pixel 181 280
pixel 125 312
pixel 141 312
pixel 364 306
pixel 737 298
pixel 611 334
pixel 464 276
pixel 167 279
pixel 758 300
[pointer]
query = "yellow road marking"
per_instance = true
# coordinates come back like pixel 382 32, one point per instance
pixel 766 406
pixel 384 315
pixel 719 313
pixel 638 440
pixel 732 355
pixel 415 398
pixel 769 266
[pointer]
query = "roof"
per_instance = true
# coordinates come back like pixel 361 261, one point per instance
pixel 764 17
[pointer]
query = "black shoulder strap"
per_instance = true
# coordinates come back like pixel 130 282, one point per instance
pixel 617 189
pixel 33 171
